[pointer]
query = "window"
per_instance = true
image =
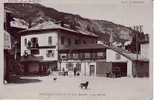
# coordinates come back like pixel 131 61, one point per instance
pixel 70 55
pixel 50 53
pixel 84 42
pixel 100 55
pixel 69 41
pixel 35 51
pixel 50 40
pixel 81 56
pixel 62 40
pixel 33 46
pixel 69 66
pixel 118 56
pixel 25 42
pixel 78 66
pixel 63 56
pixel 87 55
pixel 34 42
pixel 77 41
pixel 29 44
pixel 93 41
pixel 93 55
pixel 75 55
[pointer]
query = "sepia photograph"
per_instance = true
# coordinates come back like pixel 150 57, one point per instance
pixel 78 50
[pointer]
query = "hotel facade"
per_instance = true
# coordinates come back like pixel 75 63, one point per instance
pixel 60 49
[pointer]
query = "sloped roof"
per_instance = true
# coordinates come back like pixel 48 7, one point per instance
pixel 52 26
pixel 129 55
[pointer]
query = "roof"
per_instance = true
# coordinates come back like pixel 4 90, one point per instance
pixel 129 55
pixel 31 58
pixel 84 47
pixel 8 10
pixel 52 26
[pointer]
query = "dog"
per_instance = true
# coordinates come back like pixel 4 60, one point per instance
pixel 85 85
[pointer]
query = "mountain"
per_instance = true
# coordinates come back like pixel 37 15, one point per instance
pixel 34 14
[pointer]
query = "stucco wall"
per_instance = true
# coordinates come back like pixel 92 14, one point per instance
pixel 103 68
pixel 85 66
pixel 43 41
pixel 145 50
pixel 73 37
pixel 111 57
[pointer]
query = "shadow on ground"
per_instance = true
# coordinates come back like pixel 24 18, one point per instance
pixel 24 81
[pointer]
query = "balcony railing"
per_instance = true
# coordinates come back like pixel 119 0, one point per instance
pixel 81 57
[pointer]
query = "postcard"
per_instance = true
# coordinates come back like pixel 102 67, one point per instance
pixel 76 50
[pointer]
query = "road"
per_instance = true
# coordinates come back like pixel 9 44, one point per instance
pixel 67 88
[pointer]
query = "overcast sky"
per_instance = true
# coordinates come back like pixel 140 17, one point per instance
pixel 126 13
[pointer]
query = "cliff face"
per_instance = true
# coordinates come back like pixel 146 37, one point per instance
pixel 34 14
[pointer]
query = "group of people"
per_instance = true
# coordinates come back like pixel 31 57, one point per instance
pixel 75 71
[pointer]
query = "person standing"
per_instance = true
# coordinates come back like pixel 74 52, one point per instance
pixel 75 70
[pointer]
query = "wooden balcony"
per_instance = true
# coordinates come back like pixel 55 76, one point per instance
pixel 82 58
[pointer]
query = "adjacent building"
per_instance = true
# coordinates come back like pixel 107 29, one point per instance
pixel 123 63
pixel 11 46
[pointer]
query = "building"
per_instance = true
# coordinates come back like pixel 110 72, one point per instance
pixel 53 47
pixel 11 47
pixel 123 63
pixel 49 47
pixel 85 58
pixel 145 47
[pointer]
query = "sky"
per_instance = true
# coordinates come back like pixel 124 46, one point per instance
pixel 126 12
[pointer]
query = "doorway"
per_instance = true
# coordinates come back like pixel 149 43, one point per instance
pixel 92 70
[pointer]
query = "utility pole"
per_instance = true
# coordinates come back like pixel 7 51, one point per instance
pixel 138 29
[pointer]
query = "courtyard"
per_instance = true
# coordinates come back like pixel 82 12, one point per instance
pixel 68 87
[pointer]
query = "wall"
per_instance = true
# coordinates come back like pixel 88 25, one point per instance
pixel 33 67
pixel 103 68
pixel 73 37
pixel 111 56
pixel 141 70
pixel 85 66
pixel 145 50
pixel 43 41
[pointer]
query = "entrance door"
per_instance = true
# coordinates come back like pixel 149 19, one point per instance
pixel 119 69
pixel 92 70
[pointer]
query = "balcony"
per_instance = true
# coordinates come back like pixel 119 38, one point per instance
pixel 79 56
